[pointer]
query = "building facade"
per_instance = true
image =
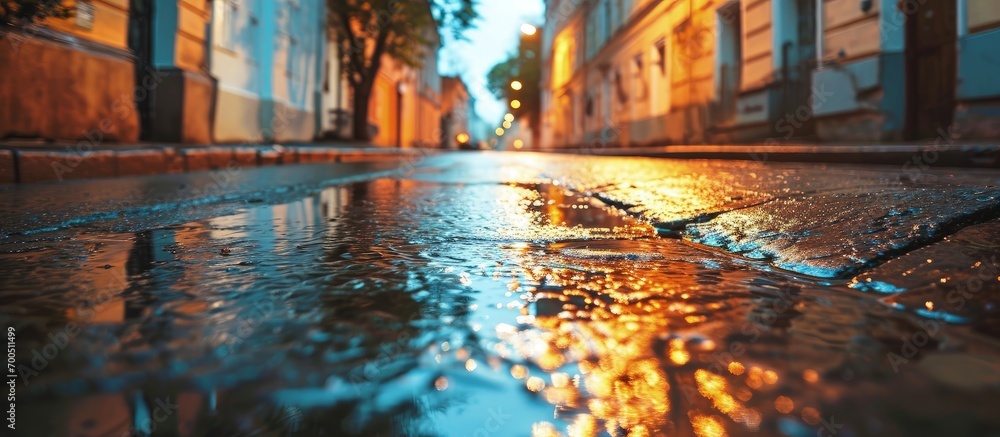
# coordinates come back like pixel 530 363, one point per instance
pixel 458 112
pixel 405 108
pixel 72 79
pixel 201 72
pixel 269 58
pixel 646 72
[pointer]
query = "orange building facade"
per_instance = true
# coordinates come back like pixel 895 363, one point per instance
pixel 624 73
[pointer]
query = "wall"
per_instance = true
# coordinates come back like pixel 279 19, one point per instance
pixel 267 57
pixel 456 107
pixel 405 106
pixel 978 94
pixel 850 87
pixel 69 83
pixel 181 107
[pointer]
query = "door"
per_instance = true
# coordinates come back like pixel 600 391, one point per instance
pixel 140 43
pixel 931 38
pixel 798 59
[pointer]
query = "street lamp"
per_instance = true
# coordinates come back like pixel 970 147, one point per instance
pixel 516 85
pixel 507 125
pixel 528 29
pixel 509 117
pixel 515 104
pixel 499 131
pixel 518 143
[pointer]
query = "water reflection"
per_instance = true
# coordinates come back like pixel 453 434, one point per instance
pixel 400 307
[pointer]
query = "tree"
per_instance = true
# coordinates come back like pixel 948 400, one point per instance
pixel 523 66
pixel 22 12
pixel 367 30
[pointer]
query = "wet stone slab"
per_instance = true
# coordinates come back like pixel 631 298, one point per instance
pixel 956 280
pixel 831 236
pixel 494 294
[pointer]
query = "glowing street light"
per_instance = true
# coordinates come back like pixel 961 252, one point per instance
pixel 515 104
pixel 516 85
pixel 499 131
pixel 518 143
pixel 507 125
pixel 528 29
pixel 509 117
pixel 462 138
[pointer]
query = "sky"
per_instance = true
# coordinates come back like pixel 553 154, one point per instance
pixel 495 36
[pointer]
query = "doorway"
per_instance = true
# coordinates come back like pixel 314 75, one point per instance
pixel 798 60
pixel 931 39
pixel 140 42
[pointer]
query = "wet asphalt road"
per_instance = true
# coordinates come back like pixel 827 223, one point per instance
pixel 507 294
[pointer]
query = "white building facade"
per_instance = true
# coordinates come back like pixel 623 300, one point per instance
pixel 269 58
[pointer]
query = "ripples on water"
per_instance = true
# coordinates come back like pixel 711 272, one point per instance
pixel 404 307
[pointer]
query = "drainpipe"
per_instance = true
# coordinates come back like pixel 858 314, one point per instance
pixel 209 58
pixel 690 67
pixel 819 33
pixel 399 114
pixel 267 30
pixel 320 52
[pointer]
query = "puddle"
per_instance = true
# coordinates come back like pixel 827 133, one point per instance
pixel 409 307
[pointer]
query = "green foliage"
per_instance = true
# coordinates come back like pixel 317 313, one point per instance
pixel 402 29
pixel 21 12
pixel 524 66
pixel 405 30
pixel 499 78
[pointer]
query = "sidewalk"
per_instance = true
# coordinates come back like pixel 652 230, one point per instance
pixel 47 162
pixel 917 154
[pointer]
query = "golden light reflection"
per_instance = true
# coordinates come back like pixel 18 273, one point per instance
pixel 784 404
pixel 583 425
pixel 810 415
pixel 615 344
pixel 810 375
pixel 544 429
pixel 535 384
pixel 708 426
pixel 518 371
pixel 441 383
pixel 678 355
pixel 714 387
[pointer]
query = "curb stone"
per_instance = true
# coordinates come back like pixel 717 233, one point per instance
pixel 30 166
pixel 7 175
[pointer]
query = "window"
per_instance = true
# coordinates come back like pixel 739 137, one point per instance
pixel 591 39
pixel 621 13
pixel 660 55
pixel 638 79
pixel 227 29
pixel 607 21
